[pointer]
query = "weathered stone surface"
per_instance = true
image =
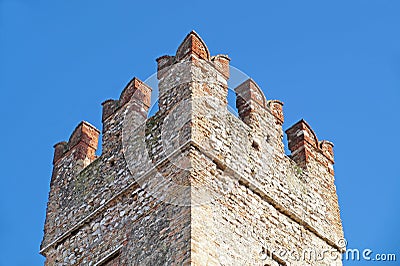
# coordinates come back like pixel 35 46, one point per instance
pixel 193 184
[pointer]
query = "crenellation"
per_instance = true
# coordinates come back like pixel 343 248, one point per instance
pixel 221 63
pixel 109 108
pixel 138 90
pixel 264 117
pixel 327 149
pixel 138 95
pixel 304 145
pixel 192 45
pixel 276 108
pixel 82 143
pixel 193 184
pixel 164 62
pixel 250 92
pixel 60 149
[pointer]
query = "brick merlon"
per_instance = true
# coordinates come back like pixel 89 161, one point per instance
pixel 303 143
pixel 84 139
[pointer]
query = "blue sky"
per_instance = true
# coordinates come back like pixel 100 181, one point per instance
pixel 334 63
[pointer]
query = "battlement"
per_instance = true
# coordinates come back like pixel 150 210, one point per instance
pixel 82 143
pixel 191 45
pixel 191 48
pixel 134 89
pixel 304 145
pixel 249 98
pixel 176 187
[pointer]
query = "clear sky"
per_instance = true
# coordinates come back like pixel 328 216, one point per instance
pixel 334 63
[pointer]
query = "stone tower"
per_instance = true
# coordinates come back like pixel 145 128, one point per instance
pixel 193 184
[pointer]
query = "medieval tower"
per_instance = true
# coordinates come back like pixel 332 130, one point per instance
pixel 193 184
